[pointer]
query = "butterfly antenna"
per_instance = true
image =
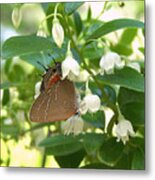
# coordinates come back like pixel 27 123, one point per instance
pixel 54 61
pixel 52 58
pixel 46 69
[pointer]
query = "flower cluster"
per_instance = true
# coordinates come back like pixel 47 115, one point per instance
pixel 71 70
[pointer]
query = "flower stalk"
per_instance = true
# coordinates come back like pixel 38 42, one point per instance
pixel 104 95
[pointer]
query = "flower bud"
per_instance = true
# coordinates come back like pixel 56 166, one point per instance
pixel 16 17
pixel 57 32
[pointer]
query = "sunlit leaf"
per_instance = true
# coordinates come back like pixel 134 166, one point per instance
pixel 115 25
pixel 128 36
pixel 23 45
pixel 61 145
pixel 33 49
pixel 126 77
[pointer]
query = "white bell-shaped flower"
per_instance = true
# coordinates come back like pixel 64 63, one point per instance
pixel 110 61
pixel 82 77
pixel 57 32
pixel 16 17
pixel 37 89
pixel 123 130
pixel 90 103
pixel 70 68
pixel 73 125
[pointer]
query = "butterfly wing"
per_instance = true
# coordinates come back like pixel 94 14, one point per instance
pixel 58 103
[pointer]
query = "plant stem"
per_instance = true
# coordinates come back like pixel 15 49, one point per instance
pixel 43 163
pixel 102 12
pixel 83 61
pixel 105 97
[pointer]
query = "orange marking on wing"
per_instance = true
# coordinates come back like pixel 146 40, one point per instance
pixel 53 80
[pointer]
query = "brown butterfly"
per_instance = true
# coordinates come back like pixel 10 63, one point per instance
pixel 57 100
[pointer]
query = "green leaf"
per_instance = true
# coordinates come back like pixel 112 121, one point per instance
pixel 124 45
pixel 92 27
pixel 32 49
pixel 135 113
pixel 92 52
pixel 6 97
pixel 138 162
pixel 7 66
pixel 89 14
pixel 96 119
pixel 71 161
pixel 16 74
pixel 114 25
pixel 23 45
pixel 142 49
pixel 7 85
pixel 132 105
pixel 126 77
pixel 124 162
pixel 61 145
pixel 78 22
pixel 35 57
pixel 128 36
pixel 138 142
pixel 10 130
pixel 126 96
pixel 92 142
pixel 110 152
pixel 71 7
pixel 122 49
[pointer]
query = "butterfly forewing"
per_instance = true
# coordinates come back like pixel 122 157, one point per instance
pixel 57 103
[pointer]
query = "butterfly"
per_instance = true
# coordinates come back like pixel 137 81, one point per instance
pixel 57 100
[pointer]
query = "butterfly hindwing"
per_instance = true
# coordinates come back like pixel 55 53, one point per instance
pixel 57 103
